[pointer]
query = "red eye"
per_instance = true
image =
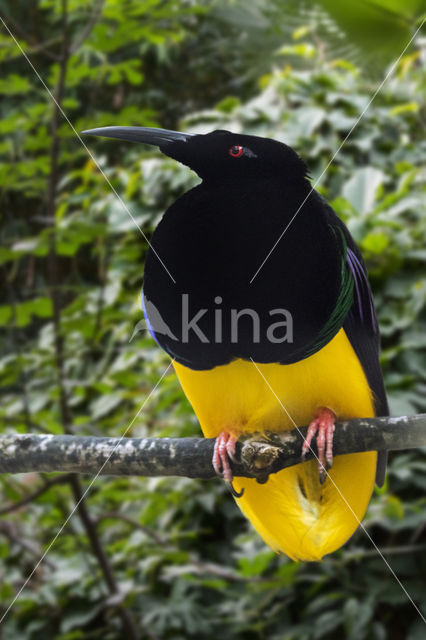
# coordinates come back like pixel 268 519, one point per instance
pixel 236 151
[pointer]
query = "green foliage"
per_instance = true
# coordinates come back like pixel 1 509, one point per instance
pixel 379 28
pixel 187 563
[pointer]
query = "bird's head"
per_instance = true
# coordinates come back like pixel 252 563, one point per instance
pixel 219 155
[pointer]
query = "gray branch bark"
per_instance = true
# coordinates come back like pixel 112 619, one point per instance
pixel 258 455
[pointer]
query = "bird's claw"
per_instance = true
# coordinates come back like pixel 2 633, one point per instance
pixel 323 428
pixel 234 492
pixel 224 450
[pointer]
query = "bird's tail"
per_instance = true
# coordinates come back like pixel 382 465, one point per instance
pixel 297 515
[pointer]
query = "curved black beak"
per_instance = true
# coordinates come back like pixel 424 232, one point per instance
pixel 147 135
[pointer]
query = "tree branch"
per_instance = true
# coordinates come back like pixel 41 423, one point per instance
pixel 54 278
pixel 97 9
pixel 48 484
pixel 258 455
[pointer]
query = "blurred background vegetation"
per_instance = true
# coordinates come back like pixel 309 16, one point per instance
pixel 174 558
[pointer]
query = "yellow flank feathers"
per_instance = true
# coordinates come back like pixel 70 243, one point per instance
pixel 293 512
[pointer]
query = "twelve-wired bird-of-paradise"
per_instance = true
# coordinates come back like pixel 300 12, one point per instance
pixel 304 327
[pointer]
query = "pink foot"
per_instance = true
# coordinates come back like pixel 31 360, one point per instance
pixel 224 448
pixel 323 428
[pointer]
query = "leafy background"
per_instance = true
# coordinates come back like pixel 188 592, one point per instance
pixel 174 558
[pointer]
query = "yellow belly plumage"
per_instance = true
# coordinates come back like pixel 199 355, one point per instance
pixel 293 512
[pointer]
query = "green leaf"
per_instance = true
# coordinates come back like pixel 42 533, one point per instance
pixel 5 314
pixel 14 84
pixel 375 242
pixel 361 188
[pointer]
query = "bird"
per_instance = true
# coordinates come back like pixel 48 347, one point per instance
pixel 266 311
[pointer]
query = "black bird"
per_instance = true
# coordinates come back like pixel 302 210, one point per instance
pixel 267 344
